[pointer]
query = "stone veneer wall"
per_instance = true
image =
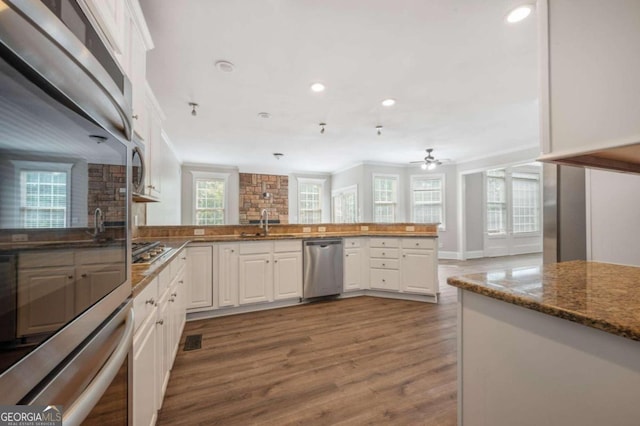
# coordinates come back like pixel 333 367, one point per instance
pixel 251 202
pixel 105 182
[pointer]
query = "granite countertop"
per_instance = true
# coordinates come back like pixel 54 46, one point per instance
pixel 599 295
pixel 142 275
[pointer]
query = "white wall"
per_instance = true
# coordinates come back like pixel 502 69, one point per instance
pixel 613 217
pixel 233 191
pixel 326 195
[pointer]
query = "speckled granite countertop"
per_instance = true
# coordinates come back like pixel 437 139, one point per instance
pixel 142 275
pixel 599 295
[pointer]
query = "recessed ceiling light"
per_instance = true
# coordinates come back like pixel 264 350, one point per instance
pixel 317 87
pixel 389 102
pixel 264 115
pixel 519 13
pixel 225 66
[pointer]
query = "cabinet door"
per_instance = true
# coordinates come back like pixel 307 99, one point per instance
pixel 385 279
pixel 138 64
pixel 287 275
pixel 156 149
pixel 94 282
pixel 144 375
pixel 418 271
pixel 352 269
pixel 199 277
pixel 163 347
pixel 109 15
pixel 45 299
pixel 228 275
pixel 256 278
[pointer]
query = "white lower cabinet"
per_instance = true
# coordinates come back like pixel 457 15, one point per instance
pixel 255 278
pixel 419 266
pixel 228 257
pixel 287 275
pixel 160 313
pixel 199 270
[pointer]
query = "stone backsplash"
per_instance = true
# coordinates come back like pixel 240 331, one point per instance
pixel 252 186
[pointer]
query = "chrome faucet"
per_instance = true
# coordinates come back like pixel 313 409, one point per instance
pixel 264 221
pixel 98 223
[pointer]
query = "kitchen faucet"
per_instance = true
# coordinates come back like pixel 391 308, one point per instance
pixel 98 223
pixel 264 221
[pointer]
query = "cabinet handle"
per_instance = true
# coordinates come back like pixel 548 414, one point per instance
pixel 151 186
pixel 180 282
pixel 347 255
pixel 150 302
pixel 383 253
pixel 174 294
pixel 70 277
pixel 84 275
pixel 267 261
pixel 384 264
pixel 417 244
pixel 135 117
pixel 384 281
pixel 183 258
pixel 404 255
pixel 275 261
pixel 232 251
pixel 172 300
pixel 161 322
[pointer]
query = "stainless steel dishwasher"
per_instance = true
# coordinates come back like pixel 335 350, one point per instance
pixel 322 267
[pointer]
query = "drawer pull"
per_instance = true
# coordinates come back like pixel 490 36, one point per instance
pixel 404 255
pixel 383 243
pixel 172 300
pixel 417 244
pixel 383 253
pixel 181 282
pixel 174 294
pixel 84 275
pixel 384 281
pixel 346 255
pixel 150 302
pixel 161 322
pixel 70 277
pixel 384 264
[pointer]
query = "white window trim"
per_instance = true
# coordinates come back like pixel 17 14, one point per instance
pixel 45 166
pixel 209 175
pixel 373 195
pixel 441 176
pixel 340 191
pixel 317 181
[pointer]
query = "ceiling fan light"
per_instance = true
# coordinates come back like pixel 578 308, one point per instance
pixel 519 13
pixel 431 166
pixel 423 166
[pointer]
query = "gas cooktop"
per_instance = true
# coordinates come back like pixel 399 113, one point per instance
pixel 146 252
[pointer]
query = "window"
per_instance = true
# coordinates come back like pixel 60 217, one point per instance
pixel 309 201
pixel 345 205
pixel 526 202
pixel 385 198
pixel 427 199
pixel 210 198
pixel 496 202
pixel 44 201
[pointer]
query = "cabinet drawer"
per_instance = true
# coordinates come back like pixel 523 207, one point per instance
pixel 385 279
pixel 287 245
pixel 351 242
pixel 42 259
pixel 384 242
pixel 384 253
pixel 385 263
pixel 100 255
pixel 256 248
pixel 145 302
pixel 419 243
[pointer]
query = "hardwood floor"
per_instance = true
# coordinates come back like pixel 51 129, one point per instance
pixel 353 361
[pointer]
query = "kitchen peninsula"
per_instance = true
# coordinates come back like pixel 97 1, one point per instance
pixel 553 345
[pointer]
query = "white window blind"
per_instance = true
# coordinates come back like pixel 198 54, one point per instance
pixel 427 199
pixel 44 198
pixel 526 202
pixel 209 201
pixel 385 197
pixel 496 202
pixel 310 202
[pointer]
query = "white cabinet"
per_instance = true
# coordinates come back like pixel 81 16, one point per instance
pixel 356 264
pixel 163 349
pixel 228 274
pixel 255 278
pixel 589 67
pixel 155 146
pixel 94 281
pixel 109 15
pixel 199 270
pixel 419 266
pixel 385 268
pixel 287 275
pixel 144 372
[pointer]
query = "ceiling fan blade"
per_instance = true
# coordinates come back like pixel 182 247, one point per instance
pixel 416 162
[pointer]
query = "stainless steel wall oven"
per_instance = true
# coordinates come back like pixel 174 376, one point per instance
pixel 65 171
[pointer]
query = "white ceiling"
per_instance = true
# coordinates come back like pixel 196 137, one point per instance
pixel 464 80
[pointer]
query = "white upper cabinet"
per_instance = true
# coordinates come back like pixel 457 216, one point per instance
pixel 109 15
pixel 590 57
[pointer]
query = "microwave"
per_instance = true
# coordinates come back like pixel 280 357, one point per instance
pixel 65 168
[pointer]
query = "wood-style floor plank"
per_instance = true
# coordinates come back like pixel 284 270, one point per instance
pixel 357 361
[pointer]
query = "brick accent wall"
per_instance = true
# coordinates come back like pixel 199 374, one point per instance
pixel 105 182
pixel 252 202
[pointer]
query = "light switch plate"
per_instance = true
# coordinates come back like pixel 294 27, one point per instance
pixel 410 228
pixel 19 238
pixel 322 229
pixel 306 229
pixel 198 231
pixel 364 228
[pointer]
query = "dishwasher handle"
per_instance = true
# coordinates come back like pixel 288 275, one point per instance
pixel 322 243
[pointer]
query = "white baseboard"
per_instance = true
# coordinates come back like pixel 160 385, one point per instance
pixel 475 254
pixel 454 255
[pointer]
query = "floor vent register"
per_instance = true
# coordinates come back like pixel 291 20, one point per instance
pixel 193 342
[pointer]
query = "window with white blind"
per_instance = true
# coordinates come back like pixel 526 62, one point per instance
pixel 385 198
pixel 345 205
pixel 44 200
pixel 427 199
pixel 525 202
pixel 496 202
pixel 209 195
pixel 309 201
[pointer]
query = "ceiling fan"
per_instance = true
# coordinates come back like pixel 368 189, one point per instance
pixel 429 162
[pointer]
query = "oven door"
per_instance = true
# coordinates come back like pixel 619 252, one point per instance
pixel 92 385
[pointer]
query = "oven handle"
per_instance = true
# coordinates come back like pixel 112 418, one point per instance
pixel 82 406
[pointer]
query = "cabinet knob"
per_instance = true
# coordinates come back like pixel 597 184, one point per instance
pixel 150 302
pixel 161 322
pixel 84 275
pixel 383 243
pixel 347 255
pixel 404 255
pixel 384 264
pixel 275 261
pixel 183 258
pixel 181 282
pixel 417 244
pixel 172 300
pixel 384 281
pixel 70 277
pixel 383 253
pixel 232 251
pixel 135 117
pixel 174 294
pixel 267 261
